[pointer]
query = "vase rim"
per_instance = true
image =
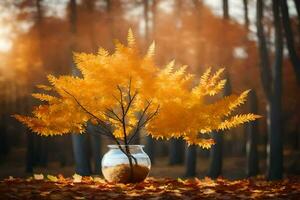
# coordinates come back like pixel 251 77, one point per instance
pixel 123 145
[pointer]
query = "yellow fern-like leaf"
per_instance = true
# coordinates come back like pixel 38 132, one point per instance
pixel 205 76
pixel 44 87
pixel 130 38
pixel 216 88
pixel 44 97
pixel 216 76
pixel 239 101
pixel 169 68
pixel 202 142
pixel 103 52
pixel 237 120
pixel 151 50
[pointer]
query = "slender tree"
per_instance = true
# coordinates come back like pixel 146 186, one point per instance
pixel 176 152
pixel 191 151
pixel 146 19
pixel 150 143
pixel 271 77
pixel 289 36
pixel 225 9
pixel 252 136
pixel 37 147
pixel 176 146
pixel 95 139
pixel 297 4
pixel 3 123
pixel 191 161
pixel 216 152
pixel 79 140
pixel 246 16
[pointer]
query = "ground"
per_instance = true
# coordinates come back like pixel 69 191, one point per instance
pixel 153 188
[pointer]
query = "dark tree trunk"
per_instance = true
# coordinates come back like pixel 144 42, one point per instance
pixel 289 36
pixel 191 161
pixel 81 158
pixel 246 16
pixel 272 81
pixel 44 148
pixel 149 148
pixel 37 146
pixel 176 153
pixel 216 156
pixel 30 152
pixel 252 135
pixel 216 152
pixel 263 51
pixel 3 137
pixel 297 4
pixel 82 162
pixel 150 143
pixel 275 157
pixel 96 151
pixel 225 9
pixel 4 148
pixel 146 19
pixel 96 148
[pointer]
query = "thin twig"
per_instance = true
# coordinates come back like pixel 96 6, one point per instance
pixel 139 121
pixel 104 125
pixel 114 114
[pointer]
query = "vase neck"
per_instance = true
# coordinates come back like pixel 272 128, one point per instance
pixel 129 147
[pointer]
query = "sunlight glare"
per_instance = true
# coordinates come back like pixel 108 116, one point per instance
pixel 5 45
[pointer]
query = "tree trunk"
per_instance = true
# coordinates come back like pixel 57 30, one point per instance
pixel 176 153
pixel 289 36
pixel 272 81
pixel 4 122
pixel 252 136
pixel 264 64
pixel 246 16
pixel 216 152
pixel 96 148
pixel 4 148
pixel 225 9
pixel 80 155
pixel 191 161
pixel 297 4
pixel 150 143
pixel 78 140
pixel 146 19
pixel 216 156
pixel 275 156
pixel 30 152
pixel 149 148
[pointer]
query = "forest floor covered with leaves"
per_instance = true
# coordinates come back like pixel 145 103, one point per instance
pixel 77 187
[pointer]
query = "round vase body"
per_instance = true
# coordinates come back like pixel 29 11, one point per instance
pixel 117 167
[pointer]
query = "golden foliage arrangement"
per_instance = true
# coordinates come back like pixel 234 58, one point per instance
pixel 124 92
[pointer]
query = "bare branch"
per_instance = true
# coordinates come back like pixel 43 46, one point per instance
pixel 138 126
pixel 150 116
pixel 104 125
pixel 131 100
pixel 129 89
pixel 116 99
pixel 121 99
pixel 114 114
